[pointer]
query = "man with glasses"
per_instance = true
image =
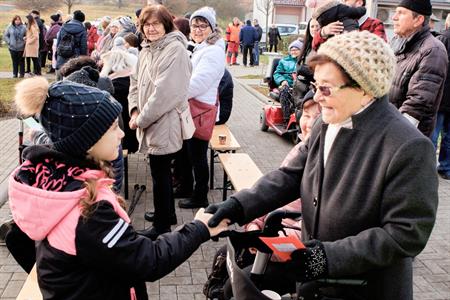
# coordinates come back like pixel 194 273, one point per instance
pixel 421 65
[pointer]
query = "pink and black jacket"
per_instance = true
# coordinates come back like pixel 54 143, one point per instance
pixel 99 257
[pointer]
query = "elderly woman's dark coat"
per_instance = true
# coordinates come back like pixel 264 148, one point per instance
pixel 419 80
pixel 373 206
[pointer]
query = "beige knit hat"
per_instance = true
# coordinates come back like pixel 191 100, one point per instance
pixel 367 58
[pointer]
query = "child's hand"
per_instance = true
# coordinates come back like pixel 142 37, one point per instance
pixel 204 218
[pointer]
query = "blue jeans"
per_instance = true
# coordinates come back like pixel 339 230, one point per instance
pixel 443 127
pixel 256 54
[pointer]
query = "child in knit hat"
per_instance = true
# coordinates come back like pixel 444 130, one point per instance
pixel 61 197
pixel 328 11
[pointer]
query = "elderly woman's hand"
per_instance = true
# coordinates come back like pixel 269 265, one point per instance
pixel 205 217
pixel 132 123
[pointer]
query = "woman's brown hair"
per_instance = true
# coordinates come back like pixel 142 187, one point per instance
pixel 14 19
pixel 31 21
pixel 160 13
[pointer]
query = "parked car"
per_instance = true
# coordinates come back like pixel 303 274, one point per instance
pixel 284 29
pixel 302 26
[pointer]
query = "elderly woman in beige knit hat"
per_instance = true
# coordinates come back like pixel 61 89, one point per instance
pixel 366 177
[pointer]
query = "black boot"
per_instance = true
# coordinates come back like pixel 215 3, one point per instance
pixel 192 203
pixel 150 217
pixel 152 232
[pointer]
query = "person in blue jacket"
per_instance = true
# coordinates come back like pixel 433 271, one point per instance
pixel 283 77
pixel 248 36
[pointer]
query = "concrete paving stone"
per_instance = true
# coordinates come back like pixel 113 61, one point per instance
pixel 176 280
pixel 189 289
pixel 167 289
pixel 429 296
pixel 12 289
pixel 4 279
pixel 168 297
pixel 199 276
pixel 10 268
pixel 154 297
pixel 184 296
pixel 19 276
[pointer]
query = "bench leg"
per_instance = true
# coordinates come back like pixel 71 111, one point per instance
pixel 125 166
pixel 211 170
pixel 225 186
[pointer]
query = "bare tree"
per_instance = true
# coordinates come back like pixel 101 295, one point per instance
pixel 40 5
pixel 266 7
pixel 70 3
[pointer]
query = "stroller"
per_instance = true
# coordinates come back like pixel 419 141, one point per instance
pixel 247 287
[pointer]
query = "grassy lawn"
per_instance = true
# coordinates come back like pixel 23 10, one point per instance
pixel 250 76
pixel 264 90
pixel 6 94
pixel 5 60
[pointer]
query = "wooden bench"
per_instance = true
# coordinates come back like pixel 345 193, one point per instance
pixel 241 170
pixel 30 289
pixel 231 145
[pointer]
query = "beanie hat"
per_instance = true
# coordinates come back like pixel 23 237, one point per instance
pixel 138 12
pixel 115 23
pixel 309 96
pixel 87 76
pixel 422 7
pixel 207 13
pixel 315 3
pixel 55 18
pixel 132 40
pixel 323 6
pixel 73 115
pixel 119 42
pixel 365 57
pixel 297 44
pixel 79 15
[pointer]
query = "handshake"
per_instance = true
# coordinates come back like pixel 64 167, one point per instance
pixel 217 217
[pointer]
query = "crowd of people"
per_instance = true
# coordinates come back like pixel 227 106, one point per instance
pixel 364 174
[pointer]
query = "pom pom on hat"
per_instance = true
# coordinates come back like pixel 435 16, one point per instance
pixel 31 94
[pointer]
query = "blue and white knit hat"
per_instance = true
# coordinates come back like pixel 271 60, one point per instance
pixel 205 12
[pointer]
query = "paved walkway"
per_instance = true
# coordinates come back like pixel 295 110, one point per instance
pixel 431 268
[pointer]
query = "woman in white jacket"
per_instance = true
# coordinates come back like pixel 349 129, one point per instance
pixel 208 66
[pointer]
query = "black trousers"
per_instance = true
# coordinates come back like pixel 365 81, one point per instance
pixel 194 158
pixel 43 58
pixel 36 65
pixel 18 62
pixel 271 47
pixel 162 189
pixel 248 50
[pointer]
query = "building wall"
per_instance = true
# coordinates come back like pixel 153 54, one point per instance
pixel 289 15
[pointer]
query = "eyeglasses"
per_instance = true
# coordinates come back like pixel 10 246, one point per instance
pixel 328 90
pixel 155 25
pixel 202 27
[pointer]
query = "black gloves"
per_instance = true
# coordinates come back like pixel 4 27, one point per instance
pixel 309 263
pixel 230 209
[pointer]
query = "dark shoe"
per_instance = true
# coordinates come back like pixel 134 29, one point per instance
pixel 236 64
pixel 21 75
pixel 191 203
pixel 150 217
pixel 14 76
pixel 181 193
pixel 152 233
pixel 444 176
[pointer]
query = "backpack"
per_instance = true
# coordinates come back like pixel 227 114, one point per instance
pixel 66 47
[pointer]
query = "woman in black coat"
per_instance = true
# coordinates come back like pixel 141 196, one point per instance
pixel 367 179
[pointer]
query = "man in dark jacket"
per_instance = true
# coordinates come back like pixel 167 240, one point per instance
pixel 76 29
pixel 259 32
pixel 421 65
pixel 443 116
pixel 248 36
pixel 274 36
